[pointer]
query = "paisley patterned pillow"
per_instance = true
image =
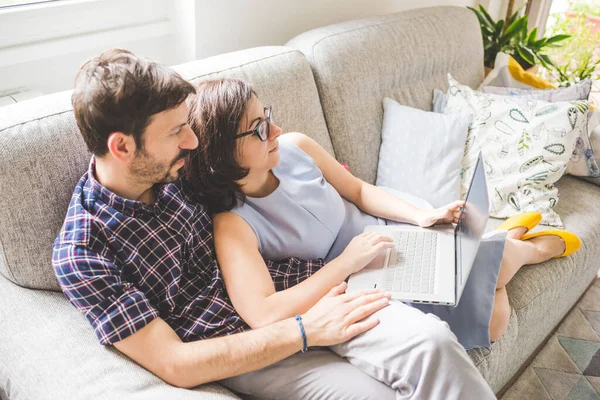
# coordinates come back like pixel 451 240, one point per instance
pixel 583 161
pixel 526 146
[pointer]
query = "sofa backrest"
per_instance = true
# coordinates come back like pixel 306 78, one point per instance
pixel 403 56
pixel 42 155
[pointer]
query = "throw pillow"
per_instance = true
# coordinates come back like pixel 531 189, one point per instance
pixel 421 152
pixel 582 162
pixel 439 101
pixel 579 91
pixel 508 73
pixel 595 141
pixel 526 145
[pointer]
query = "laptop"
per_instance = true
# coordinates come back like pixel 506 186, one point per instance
pixel 430 265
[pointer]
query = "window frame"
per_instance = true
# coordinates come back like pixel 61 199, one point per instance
pixel 37 31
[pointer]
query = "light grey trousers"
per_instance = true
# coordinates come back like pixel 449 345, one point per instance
pixel 409 355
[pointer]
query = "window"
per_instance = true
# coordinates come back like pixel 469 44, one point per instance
pixel 579 57
pixel 11 3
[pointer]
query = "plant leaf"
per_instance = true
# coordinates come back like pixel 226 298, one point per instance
pixel 546 61
pixel 526 53
pixel 540 44
pixel 513 28
pixel 486 15
pixel 531 39
pixel 483 22
pixel 513 17
pixel 498 27
pixel 557 38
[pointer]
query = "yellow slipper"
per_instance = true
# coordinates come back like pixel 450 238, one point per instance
pixel 528 220
pixel 572 242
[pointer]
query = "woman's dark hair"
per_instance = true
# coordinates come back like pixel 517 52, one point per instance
pixel 216 110
pixel 118 91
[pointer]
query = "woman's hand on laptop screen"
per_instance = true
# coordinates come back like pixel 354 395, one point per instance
pixel 447 214
pixel 362 250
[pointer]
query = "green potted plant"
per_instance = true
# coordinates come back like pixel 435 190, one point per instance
pixel 512 37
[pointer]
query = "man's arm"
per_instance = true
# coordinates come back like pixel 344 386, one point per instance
pixel 122 315
pixel 334 319
pixel 157 348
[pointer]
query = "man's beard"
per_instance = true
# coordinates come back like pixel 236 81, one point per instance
pixel 149 171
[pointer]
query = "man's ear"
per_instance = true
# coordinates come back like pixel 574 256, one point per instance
pixel 121 146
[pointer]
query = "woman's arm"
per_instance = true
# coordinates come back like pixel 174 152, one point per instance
pixel 369 198
pixel 249 284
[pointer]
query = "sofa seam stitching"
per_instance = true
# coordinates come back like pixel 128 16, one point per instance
pixel 365 27
pixel 5 260
pixel 289 51
pixel 35 119
pixel 15 382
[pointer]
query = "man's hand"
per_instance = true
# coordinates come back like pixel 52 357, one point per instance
pixel 340 316
pixel 444 215
pixel 362 249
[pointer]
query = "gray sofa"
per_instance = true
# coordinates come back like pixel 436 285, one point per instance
pixel 328 83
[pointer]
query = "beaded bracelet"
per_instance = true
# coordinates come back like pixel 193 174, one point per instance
pixel 305 347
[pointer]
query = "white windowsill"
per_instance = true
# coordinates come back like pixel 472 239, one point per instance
pixel 40 31
pixel 52 48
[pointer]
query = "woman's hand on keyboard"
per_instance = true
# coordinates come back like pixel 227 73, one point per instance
pixel 444 215
pixel 362 250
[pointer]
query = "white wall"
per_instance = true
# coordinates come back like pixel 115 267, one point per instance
pixel 170 32
pixel 240 24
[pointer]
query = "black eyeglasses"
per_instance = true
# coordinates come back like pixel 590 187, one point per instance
pixel 262 129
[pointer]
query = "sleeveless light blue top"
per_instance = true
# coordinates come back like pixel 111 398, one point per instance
pixel 304 217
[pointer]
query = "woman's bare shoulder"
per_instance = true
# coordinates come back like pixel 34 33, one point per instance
pixel 232 227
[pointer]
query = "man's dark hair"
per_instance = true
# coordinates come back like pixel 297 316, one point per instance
pixel 215 114
pixel 118 91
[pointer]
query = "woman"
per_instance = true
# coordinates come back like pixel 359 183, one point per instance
pixel 277 197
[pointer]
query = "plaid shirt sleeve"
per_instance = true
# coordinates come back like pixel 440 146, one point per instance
pixel 291 271
pixel 93 284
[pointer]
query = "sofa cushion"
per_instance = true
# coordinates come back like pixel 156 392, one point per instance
pixel 49 352
pixel 42 155
pixel 402 56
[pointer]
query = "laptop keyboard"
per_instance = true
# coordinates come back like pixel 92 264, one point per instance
pixel 414 271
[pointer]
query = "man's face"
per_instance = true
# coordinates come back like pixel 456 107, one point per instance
pixel 167 141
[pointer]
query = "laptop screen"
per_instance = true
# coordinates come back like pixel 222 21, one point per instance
pixel 471 224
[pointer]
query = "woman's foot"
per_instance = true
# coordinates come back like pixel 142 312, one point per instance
pixel 520 224
pixel 547 247
pixel 553 243
pixel 517 232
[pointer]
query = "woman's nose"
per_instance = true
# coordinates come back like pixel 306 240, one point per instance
pixel 274 131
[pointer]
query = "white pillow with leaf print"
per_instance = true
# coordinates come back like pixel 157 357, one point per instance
pixel 526 146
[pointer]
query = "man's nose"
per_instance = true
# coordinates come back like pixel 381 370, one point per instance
pixel 189 140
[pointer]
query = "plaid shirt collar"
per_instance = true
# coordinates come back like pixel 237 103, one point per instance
pixel 123 205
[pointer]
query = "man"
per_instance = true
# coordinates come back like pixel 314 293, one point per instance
pixel 135 256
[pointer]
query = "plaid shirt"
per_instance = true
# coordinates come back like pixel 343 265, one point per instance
pixel 123 263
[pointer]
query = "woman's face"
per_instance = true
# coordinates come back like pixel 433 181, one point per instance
pixel 253 153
